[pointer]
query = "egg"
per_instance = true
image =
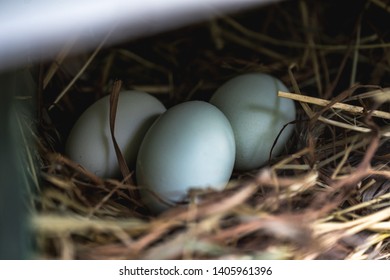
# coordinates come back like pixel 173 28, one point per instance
pixel 257 115
pixel 90 143
pixel 190 146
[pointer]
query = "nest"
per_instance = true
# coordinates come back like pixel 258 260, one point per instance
pixel 325 197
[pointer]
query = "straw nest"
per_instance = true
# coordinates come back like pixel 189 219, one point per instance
pixel 325 197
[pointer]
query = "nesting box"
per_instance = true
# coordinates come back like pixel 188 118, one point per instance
pixel 324 196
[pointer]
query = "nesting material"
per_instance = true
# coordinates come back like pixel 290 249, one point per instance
pixel 326 196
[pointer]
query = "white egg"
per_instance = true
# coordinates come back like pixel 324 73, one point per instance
pixel 90 143
pixel 257 115
pixel 191 145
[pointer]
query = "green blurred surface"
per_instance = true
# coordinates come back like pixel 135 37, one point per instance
pixel 14 182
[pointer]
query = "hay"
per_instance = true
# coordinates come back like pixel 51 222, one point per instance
pixel 326 197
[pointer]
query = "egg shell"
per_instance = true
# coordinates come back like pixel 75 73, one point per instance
pixel 257 115
pixel 90 144
pixel 191 145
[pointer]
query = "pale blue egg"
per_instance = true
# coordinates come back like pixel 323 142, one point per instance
pixel 257 115
pixel 90 142
pixel 191 145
